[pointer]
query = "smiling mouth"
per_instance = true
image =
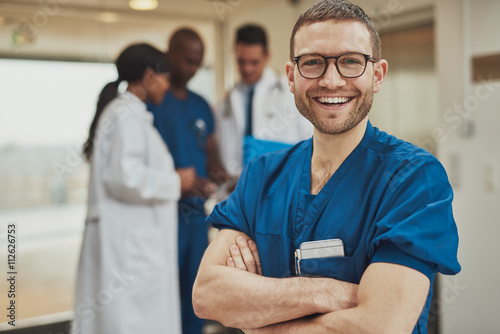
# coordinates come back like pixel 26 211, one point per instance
pixel 333 100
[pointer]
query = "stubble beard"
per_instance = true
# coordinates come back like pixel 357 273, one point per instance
pixel 331 127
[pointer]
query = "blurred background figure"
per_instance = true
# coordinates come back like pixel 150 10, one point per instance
pixel 127 277
pixel 258 115
pixel 186 123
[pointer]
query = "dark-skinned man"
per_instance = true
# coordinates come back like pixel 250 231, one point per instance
pixel 186 123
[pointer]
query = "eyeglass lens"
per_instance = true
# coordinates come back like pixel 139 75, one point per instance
pixel 349 65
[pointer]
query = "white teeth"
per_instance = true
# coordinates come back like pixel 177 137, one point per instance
pixel 333 99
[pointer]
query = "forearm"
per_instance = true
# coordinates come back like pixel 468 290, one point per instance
pixel 216 171
pixel 343 321
pixel 241 299
pixel 391 298
pixel 244 299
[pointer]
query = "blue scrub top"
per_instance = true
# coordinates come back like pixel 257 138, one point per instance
pixel 389 201
pixel 184 126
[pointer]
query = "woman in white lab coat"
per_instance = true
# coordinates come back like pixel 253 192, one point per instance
pixel 127 276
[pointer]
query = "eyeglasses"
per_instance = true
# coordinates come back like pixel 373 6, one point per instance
pixel 349 65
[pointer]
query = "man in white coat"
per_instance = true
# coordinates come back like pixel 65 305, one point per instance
pixel 258 115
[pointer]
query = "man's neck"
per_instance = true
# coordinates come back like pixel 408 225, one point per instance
pixel 180 91
pixel 330 151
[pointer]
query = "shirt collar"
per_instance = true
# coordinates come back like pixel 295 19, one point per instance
pixel 135 103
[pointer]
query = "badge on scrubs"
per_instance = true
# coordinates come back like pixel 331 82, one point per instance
pixel 199 128
pixel 317 250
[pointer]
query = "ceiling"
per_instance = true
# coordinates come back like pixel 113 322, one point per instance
pixel 95 30
pixel 197 9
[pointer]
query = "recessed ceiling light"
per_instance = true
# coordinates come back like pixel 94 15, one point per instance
pixel 107 17
pixel 143 4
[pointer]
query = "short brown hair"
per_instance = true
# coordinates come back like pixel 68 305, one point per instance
pixel 340 11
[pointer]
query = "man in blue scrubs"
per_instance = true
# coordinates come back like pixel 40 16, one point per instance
pixel 388 201
pixel 185 122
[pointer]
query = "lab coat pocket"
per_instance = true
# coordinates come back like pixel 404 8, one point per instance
pixel 341 268
pixel 145 254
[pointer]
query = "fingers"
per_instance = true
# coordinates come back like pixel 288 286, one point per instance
pixel 244 256
pixel 255 253
pixel 236 258
pixel 247 254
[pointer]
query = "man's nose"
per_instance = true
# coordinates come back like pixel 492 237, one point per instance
pixel 247 68
pixel 332 77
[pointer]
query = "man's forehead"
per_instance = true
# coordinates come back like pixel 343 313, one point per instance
pixel 250 50
pixel 254 48
pixel 189 45
pixel 342 35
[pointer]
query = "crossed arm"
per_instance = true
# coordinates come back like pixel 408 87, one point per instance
pixel 389 298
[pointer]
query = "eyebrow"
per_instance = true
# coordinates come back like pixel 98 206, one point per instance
pixel 337 54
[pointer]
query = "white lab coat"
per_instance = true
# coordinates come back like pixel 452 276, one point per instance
pixel 275 118
pixel 127 277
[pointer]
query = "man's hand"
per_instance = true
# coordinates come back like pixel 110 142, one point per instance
pixel 188 178
pixel 202 187
pixel 244 256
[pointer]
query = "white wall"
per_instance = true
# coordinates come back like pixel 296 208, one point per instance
pixel 277 18
pixel 469 302
pixel 407 105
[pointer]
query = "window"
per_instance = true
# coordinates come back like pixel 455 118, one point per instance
pixel 45 111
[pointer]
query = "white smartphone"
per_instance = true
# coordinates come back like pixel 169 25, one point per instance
pixel 321 248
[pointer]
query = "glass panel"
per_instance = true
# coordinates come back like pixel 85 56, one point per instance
pixel 45 112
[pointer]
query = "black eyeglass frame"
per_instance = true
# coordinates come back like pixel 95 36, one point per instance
pixel 367 58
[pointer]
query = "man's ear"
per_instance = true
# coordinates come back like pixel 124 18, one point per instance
pixel 379 72
pixel 290 70
pixel 267 56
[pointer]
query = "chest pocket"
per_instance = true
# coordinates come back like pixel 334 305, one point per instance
pixel 280 263
pixel 341 268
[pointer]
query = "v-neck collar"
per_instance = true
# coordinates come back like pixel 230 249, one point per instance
pixel 308 214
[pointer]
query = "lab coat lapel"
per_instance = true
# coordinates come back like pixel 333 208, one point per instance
pixel 237 102
pixel 263 101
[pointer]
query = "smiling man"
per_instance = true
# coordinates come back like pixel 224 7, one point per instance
pixel 352 225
